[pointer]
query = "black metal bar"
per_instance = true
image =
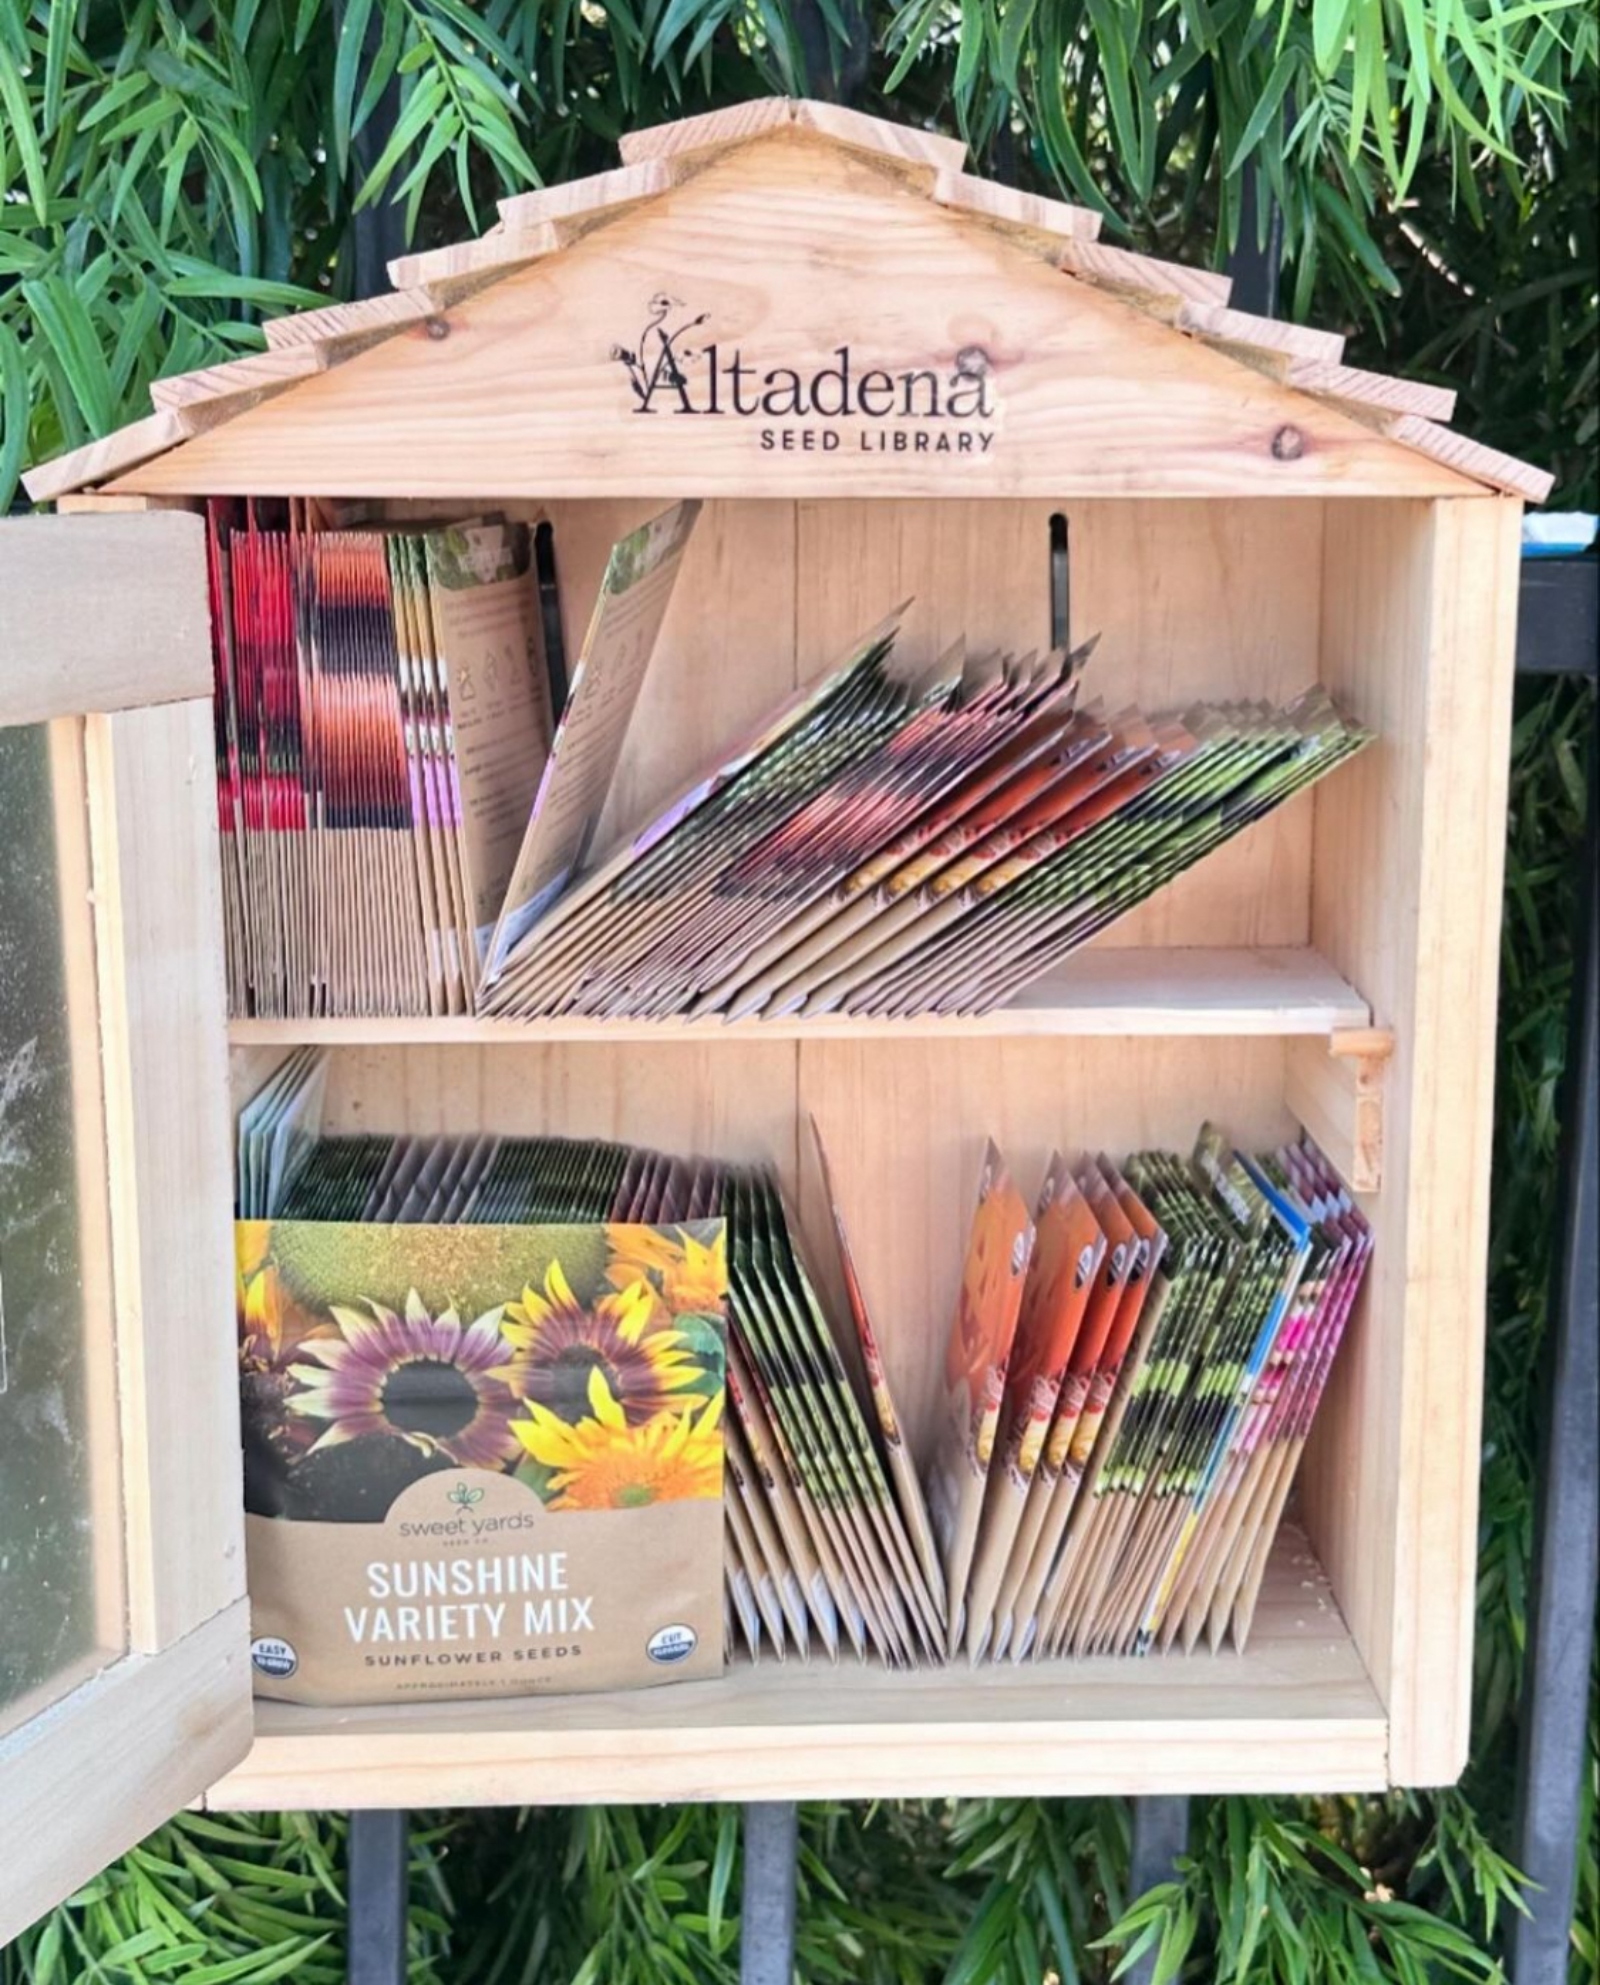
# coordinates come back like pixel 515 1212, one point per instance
pixel 377 233
pixel 1558 618
pixel 1555 1695
pixel 771 1890
pixel 375 1886
pixel 1160 1835
pixel 833 70
pixel 555 644
pixel 1060 582
pixel 1255 264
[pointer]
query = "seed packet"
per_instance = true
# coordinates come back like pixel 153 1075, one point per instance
pixel 976 1359
pixel 1067 1252
pixel 482 1456
pixel 556 834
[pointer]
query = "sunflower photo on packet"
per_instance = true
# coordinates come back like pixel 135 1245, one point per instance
pixel 484 1455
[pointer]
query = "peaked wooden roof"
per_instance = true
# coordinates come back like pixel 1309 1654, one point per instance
pixel 533 227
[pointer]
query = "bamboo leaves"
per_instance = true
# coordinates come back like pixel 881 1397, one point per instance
pixel 1115 91
pixel 1277 1900
pixel 226 133
pixel 157 168
pixel 223 1900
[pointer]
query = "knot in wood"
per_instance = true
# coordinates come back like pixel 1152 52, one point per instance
pixel 1288 444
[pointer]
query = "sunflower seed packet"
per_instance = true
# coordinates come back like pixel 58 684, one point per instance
pixel 481 1459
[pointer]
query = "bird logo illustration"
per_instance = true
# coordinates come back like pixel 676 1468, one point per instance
pixel 657 364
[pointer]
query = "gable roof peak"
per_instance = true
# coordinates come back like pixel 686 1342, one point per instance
pixel 852 130
pixel 1192 303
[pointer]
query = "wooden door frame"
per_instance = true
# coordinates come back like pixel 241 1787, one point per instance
pixel 106 617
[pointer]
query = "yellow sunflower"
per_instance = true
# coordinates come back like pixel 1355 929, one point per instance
pixel 605 1463
pixel 560 1345
pixel 259 1301
pixel 691 1277
pixel 272 1326
pixel 272 1330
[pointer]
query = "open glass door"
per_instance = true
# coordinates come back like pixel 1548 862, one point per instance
pixel 124 1675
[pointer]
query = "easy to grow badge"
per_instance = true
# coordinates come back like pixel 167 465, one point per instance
pixel 669 1645
pixel 274 1657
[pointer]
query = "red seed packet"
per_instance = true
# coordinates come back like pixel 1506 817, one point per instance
pixel 1069 1248
pixel 975 1363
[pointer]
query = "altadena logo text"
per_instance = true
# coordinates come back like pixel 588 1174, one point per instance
pixel 914 410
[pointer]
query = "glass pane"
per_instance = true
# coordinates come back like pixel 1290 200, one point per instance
pixel 61 1596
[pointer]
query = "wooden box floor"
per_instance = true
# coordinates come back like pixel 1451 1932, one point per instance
pixel 1297 1709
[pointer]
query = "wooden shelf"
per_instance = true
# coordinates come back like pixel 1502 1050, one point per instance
pixel 1297 1711
pixel 1103 991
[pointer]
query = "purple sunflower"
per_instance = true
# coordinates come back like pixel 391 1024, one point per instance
pixel 424 1379
pixel 559 1343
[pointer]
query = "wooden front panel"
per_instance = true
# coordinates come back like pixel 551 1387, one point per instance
pixel 972 365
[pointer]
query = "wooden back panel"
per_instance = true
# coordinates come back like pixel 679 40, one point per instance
pixel 905 1125
pixel 1191 599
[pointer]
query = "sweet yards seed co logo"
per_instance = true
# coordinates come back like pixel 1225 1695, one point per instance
pixel 675 368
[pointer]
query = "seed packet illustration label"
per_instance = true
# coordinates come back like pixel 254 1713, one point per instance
pixel 481 1460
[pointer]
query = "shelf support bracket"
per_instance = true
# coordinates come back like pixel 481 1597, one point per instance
pixel 1334 1088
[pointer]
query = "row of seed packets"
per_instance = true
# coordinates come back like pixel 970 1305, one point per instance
pixel 1130 1381
pixel 1130 1377
pixel 382 722
pixel 908 835
pixel 390 811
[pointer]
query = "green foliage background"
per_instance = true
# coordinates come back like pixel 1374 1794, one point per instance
pixel 169 171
